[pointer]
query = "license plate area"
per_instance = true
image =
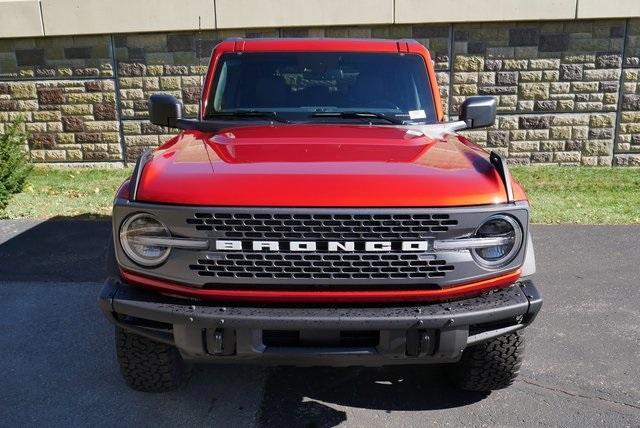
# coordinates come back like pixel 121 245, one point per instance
pixel 321 338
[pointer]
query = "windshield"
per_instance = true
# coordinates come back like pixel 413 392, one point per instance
pixel 299 85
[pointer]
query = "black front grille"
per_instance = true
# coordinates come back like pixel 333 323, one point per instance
pixel 321 248
pixel 356 266
pixel 322 226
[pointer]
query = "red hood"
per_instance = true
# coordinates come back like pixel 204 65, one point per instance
pixel 320 165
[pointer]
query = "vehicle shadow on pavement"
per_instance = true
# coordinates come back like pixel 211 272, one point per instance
pixel 59 368
pixel 59 249
pixel 307 397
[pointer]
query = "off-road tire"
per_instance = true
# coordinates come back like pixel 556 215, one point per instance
pixel 490 365
pixel 147 365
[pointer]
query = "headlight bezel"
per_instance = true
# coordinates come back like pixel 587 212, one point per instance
pixel 131 253
pixel 511 254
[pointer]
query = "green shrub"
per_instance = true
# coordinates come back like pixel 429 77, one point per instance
pixel 14 162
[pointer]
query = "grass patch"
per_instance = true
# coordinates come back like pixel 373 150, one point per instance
pixel 582 194
pixel 557 194
pixel 67 192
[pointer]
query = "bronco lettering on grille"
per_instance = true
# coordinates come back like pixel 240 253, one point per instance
pixel 323 246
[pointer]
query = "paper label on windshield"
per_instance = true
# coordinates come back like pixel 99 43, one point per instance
pixel 417 114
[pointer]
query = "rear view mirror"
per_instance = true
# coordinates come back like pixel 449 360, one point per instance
pixel 164 110
pixel 478 111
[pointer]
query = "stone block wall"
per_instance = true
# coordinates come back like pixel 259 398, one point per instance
pixel 66 120
pixel 568 92
pixel 628 130
pixel 172 63
pixel 555 80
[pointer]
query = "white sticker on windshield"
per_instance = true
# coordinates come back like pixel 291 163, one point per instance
pixel 417 114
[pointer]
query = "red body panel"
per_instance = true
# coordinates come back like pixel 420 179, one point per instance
pixel 320 166
pixel 338 296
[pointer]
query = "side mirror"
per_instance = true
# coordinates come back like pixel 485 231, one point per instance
pixel 478 111
pixel 164 110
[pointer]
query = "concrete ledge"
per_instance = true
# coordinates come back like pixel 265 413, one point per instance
pixel 20 18
pixel 612 9
pixel 63 17
pixel 23 18
pixel 418 11
pixel 299 13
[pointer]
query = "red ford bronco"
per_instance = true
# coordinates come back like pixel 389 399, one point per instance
pixel 320 211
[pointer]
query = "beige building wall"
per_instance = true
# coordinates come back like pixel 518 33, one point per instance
pixel 28 18
pixel 412 11
pixel 588 9
pixel 288 13
pixel 20 18
pixel 63 17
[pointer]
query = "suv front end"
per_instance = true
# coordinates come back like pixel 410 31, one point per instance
pixel 298 235
pixel 341 287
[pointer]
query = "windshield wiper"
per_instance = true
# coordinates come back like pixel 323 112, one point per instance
pixel 249 113
pixel 359 115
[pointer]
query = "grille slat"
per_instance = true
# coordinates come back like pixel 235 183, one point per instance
pixel 315 226
pixel 342 266
pixel 321 263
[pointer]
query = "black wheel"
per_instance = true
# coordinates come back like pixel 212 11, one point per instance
pixel 147 365
pixel 489 365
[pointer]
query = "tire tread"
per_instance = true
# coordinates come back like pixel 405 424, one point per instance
pixel 147 365
pixel 490 365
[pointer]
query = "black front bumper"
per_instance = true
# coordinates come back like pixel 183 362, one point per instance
pixel 408 334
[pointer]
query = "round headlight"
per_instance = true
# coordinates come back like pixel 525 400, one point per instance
pixel 498 226
pixel 134 234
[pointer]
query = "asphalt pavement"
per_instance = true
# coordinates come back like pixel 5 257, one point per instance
pixel 58 367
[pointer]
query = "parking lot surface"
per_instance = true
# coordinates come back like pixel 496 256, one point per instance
pixel 57 358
